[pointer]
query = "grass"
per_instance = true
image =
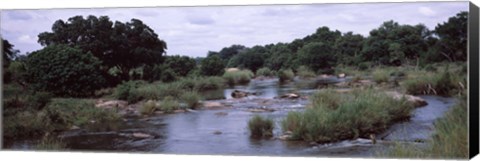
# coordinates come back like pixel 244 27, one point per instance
pixel 148 107
pixel 305 73
pixel 266 72
pixel 439 83
pixel 260 127
pixel 158 90
pixel 50 143
pixel 169 104
pixel 191 98
pixel 286 75
pixel 358 114
pixel 238 77
pixel 381 75
pixel 450 139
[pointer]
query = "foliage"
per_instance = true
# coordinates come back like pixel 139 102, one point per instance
pixel 305 72
pixel 280 57
pixel 124 45
pixel 50 143
pixel 251 59
pixel 381 75
pixel 148 107
pixel 266 72
pixel 169 104
pixel 8 53
pixel 51 69
pixel 125 90
pixel 286 75
pixel 260 127
pixel 212 66
pixel 238 77
pixel 444 83
pixel 359 114
pixel 453 37
pixel 192 99
pixel 317 56
pixel 348 48
pixel 180 65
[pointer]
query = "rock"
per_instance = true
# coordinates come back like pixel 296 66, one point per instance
pixel 92 121
pixel 111 104
pixel 261 110
pixel 221 113
pixel 285 137
pixel 190 110
pixel 74 127
pixel 232 69
pixel 341 75
pixel 141 135
pixel 217 132
pixel 179 111
pixel 290 96
pixel 212 105
pixel 239 94
pixel 416 101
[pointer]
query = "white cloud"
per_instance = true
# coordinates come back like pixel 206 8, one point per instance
pixel 426 11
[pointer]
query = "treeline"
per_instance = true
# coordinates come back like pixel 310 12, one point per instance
pixel 82 55
pixel 391 44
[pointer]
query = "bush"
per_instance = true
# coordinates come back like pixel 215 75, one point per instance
pixel 266 72
pixel 191 98
pixel 238 77
pixel 357 114
pixel 212 66
pixel 169 104
pixel 445 84
pixel 125 91
pixel 286 75
pixel 38 100
pixel 381 75
pixel 260 127
pixel 64 71
pixel 305 72
pixel 148 107
pixel 50 143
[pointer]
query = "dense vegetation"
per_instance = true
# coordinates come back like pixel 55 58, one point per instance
pixel 85 56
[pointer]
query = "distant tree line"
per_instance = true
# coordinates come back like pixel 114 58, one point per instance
pixel 81 55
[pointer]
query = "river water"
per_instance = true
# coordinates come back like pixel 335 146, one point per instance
pixel 225 132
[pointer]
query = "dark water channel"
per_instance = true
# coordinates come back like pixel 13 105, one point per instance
pixel 208 132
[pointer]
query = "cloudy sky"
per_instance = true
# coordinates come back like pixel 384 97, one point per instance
pixel 194 31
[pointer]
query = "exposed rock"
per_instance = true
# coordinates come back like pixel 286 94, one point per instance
pixel 212 105
pixel 290 96
pixel 285 137
pixel 217 132
pixel 341 75
pixel 74 127
pixel 111 104
pixel 232 69
pixel 241 94
pixel 141 135
pixel 179 111
pixel 416 101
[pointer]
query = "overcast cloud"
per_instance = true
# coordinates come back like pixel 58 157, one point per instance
pixel 194 31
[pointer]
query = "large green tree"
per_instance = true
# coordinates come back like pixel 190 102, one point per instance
pixel 124 46
pixel 181 65
pixel 453 37
pixel 348 48
pixel 8 53
pixel 253 58
pixel 317 56
pixel 64 71
pixel 212 66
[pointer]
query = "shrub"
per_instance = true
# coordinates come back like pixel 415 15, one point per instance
pixel 305 72
pixel 358 114
pixel 148 107
pixel 212 66
pixel 125 91
pixel 266 72
pixel 260 127
pixel 169 104
pixel 50 143
pixel 443 83
pixel 381 75
pixel 286 75
pixel 64 71
pixel 238 77
pixel 191 98
pixel 38 100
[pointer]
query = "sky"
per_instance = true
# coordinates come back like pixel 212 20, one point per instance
pixel 193 31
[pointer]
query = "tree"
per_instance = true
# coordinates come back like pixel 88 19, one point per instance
pixel 121 45
pixel 348 48
pixel 181 65
pixel 64 71
pixel 8 53
pixel 280 57
pixel 212 66
pixel 317 56
pixel 228 52
pixel 453 37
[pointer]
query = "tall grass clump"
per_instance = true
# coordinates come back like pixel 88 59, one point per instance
pixel 381 75
pixel 450 139
pixel 265 71
pixel 125 91
pixel 444 83
pixel 358 114
pixel 169 104
pixel 305 72
pixel 149 107
pixel 285 75
pixel 260 127
pixel 191 98
pixel 238 77
pixel 50 143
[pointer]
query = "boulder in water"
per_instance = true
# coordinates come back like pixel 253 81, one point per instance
pixel 416 101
